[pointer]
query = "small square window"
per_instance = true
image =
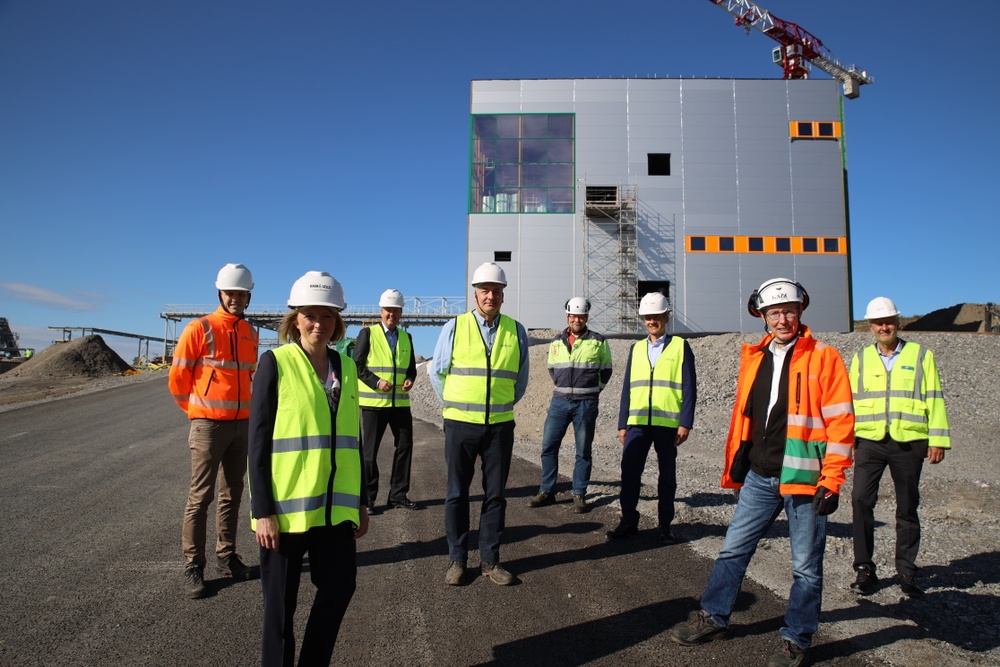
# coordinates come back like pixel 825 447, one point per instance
pixel 726 244
pixel 805 129
pixel 659 164
pixel 698 243
pixel 783 244
pixel 756 244
pixel 501 256
pixel 825 129
pixel 810 245
pixel 831 245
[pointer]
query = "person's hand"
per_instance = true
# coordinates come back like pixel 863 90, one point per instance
pixel 384 385
pixel 407 384
pixel 363 528
pixel 825 501
pixel 682 435
pixel 621 436
pixel 267 532
pixel 935 454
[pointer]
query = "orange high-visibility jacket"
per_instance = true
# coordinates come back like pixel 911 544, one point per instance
pixel 820 416
pixel 213 367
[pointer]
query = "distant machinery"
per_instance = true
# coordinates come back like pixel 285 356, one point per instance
pixel 8 342
pixel 799 48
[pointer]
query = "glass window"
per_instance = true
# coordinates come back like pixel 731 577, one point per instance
pixel 755 244
pixel 658 164
pixel 831 245
pixel 726 244
pixel 522 163
pixel 825 129
pixel 501 255
pixel 805 129
pixel 698 243
pixel 783 244
pixel 810 245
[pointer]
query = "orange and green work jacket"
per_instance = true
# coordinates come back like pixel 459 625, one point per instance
pixel 213 367
pixel 906 403
pixel 388 364
pixel 315 462
pixel 480 388
pixel 820 432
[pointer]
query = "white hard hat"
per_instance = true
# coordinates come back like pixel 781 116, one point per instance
pixel 489 273
pixel 774 291
pixel 234 278
pixel 391 298
pixel 880 307
pixel 578 306
pixel 654 303
pixel 317 288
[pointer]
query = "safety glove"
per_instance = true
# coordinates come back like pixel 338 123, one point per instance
pixel 825 501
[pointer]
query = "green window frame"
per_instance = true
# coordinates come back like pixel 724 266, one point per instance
pixel 522 163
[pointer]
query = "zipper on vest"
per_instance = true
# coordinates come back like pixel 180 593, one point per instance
pixel 234 344
pixel 798 391
pixel 649 409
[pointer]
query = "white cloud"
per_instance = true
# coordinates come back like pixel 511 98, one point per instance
pixel 45 297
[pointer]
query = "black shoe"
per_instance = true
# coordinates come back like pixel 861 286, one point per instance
pixel 908 584
pixel 194 582
pixel 405 503
pixel 373 510
pixel 622 531
pixel 666 537
pixel 699 629
pixel 232 566
pixel 866 582
pixel 542 499
pixel 790 656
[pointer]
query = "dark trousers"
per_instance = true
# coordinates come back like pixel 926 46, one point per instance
pixel 400 423
pixel 905 460
pixel 638 440
pixel 494 445
pixel 333 570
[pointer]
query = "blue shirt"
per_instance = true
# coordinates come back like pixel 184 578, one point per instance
pixel 441 363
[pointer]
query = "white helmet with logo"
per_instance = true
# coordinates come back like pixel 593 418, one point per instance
pixel 880 307
pixel 317 288
pixel 391 298
pixel 654 303
pixel 234 278
pixel 774 291
pixel 578 306
pixel 489 272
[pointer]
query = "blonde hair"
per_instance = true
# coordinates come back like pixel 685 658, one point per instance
pixel 288 330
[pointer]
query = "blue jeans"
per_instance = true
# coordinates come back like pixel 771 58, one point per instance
pixel 583 415
pixel 758 507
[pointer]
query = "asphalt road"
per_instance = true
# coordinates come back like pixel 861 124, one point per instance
pixel 93 489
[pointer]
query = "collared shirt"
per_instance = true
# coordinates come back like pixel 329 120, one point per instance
pixel 889 360
pixel 441 363
pixel 391 336
pixel 778 355
pixel 655 348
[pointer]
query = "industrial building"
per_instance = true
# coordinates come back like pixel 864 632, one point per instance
pixel 700 188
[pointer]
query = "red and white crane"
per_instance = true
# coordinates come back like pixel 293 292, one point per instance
pixel 799 48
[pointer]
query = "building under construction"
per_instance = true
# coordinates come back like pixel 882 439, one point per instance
pixel 699 188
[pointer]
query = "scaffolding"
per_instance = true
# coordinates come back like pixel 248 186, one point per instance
pixel 610 247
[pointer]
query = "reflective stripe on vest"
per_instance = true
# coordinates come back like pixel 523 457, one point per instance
pixel 301 458
pixel 389 366
pixel 901 402
pixel 655 393
pixel 480 389
pixel 577 373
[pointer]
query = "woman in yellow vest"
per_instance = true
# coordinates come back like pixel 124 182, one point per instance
pixel 305 470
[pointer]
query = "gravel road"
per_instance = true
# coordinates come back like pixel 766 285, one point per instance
pixel 955 623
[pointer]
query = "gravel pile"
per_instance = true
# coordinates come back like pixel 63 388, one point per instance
pixel 955 623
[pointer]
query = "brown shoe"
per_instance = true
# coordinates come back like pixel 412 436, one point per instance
pixel 453 577
pixel 580 505
pixel 496 573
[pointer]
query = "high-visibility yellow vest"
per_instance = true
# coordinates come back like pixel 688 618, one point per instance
pixel 479 389
pixel 907 403
pixel 302 459
pixel 576 373
pixel 389 366
pixel 654 397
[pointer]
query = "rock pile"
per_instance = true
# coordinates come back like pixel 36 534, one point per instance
pixel 87 356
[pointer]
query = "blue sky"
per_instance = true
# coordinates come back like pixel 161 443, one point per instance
pixel 145 144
